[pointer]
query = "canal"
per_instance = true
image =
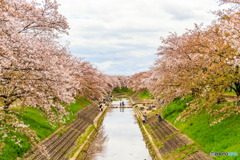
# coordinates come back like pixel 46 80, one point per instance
pixel 119 137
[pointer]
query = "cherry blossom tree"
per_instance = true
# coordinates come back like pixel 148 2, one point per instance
pixel 203 62
pixel 31 67
pixel 37 70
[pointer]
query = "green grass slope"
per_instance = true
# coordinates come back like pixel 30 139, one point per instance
pixel 37 122
pixel 221 137
pixel 144 94
pixel 123 90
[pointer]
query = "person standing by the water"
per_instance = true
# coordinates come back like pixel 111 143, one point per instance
pixel 159 117
pixel 120 104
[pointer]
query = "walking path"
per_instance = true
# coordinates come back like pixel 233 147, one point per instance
pixel 170 143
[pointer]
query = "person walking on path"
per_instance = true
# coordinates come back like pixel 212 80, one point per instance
pixel 120 104
pixel 159 117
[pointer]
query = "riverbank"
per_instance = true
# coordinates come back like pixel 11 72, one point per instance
pixel 38 121
pixel 62 143
pixel 221 137
pixel 147 137
pixel 83 148
pixel 166 141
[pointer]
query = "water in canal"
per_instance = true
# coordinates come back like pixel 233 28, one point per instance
pixel 119 138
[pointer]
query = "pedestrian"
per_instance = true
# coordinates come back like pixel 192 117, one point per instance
pixel 120 104
pixel 145 115
pixel 100 107
pixel 162 102
pixel 159 117
pixel 143 119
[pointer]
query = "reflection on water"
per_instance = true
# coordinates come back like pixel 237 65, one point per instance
pixel 119 138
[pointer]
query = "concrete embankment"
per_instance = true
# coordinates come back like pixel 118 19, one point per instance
pixel 148 138
pixel 166 140
pixel 82 151
pixel 61 144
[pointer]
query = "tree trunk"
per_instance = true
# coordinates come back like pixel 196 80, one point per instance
pixel 220 99
pixel 238 103
pixel 237 91
pixel 6 106
pixel 194 91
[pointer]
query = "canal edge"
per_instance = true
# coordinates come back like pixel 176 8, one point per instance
pixel 148 138
pixel 98 121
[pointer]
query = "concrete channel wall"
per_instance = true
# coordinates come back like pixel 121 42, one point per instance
pixel 158 155
pixel 139 115
pixel 97 122
pixel 61 143
pixel 170 143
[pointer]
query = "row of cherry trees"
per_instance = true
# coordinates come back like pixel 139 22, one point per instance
pixel 37 70
pixel 203 61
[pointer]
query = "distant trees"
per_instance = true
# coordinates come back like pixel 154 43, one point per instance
pixel 203 62
pixel 37 70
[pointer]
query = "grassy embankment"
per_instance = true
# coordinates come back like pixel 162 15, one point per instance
pixel 221 137
pixel 38 122
pixel 123 90
pixel 144 94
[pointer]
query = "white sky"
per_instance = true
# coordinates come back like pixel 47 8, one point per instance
pixel 121 37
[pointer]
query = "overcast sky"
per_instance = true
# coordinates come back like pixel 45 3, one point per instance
pixel 121 37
